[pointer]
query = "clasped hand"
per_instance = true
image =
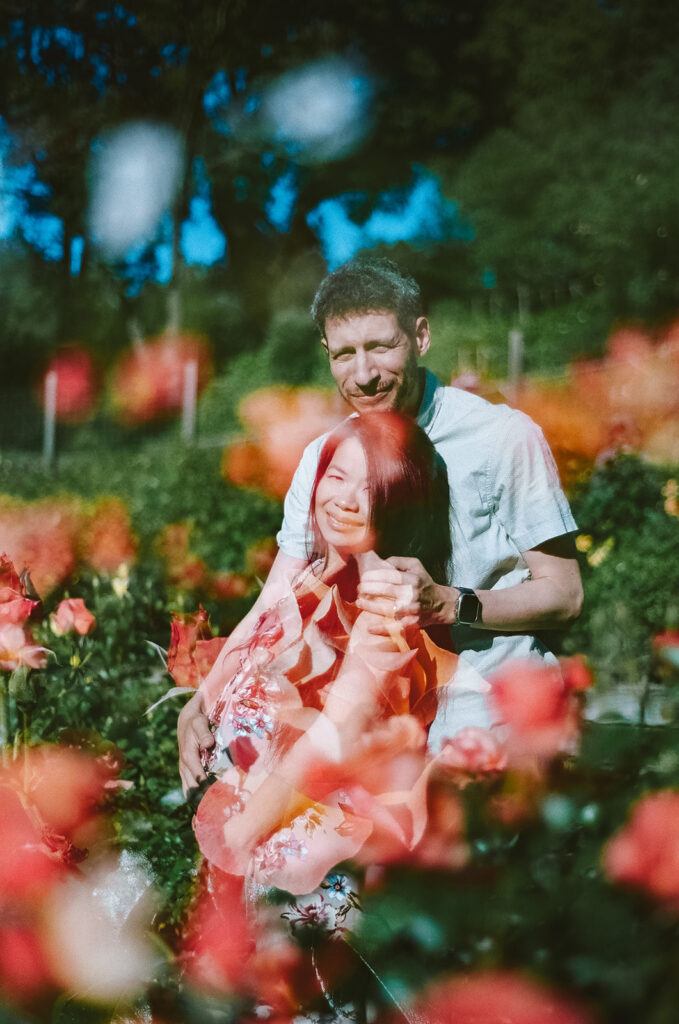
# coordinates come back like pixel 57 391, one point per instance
pixel 400 589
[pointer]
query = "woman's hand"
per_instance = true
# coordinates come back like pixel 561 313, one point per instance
pixel 402 589
pixel 193 736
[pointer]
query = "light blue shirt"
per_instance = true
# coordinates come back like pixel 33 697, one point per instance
pixel 505 498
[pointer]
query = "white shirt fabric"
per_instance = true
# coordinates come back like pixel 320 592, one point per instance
pixel 505 498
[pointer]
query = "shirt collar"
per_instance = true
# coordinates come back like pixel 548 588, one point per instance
pixel 430 400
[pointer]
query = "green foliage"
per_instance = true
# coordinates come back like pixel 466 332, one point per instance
pixel 533 895
pixel 95 692
pixel 632 593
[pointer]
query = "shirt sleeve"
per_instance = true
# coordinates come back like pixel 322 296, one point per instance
pixel 292 536
pixel 524 483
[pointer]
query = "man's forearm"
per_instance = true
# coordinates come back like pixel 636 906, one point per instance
pixel 524 607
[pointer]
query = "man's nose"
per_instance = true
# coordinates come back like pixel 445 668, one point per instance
pixel 365 373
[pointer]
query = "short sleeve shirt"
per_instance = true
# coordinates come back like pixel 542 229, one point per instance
pixel 505 498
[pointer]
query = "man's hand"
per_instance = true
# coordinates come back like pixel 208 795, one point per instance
pixel 402 589
pixel 193 735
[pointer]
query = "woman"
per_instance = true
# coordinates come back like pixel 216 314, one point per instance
pixel 320 723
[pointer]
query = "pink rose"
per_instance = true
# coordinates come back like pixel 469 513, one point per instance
pixel 645 852
pixel 538 705
pixel 16 649
pixel 472 751
pixel 72 616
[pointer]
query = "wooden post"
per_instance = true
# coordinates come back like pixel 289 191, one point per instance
pixel 51 380
pixel 189 399
pixel 515 360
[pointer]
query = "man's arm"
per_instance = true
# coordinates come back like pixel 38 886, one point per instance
pixel 193 731
pixel 550 599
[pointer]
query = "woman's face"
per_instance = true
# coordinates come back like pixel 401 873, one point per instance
pixel 343 502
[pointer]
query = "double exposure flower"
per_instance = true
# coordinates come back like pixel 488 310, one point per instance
pixel 193 648
pixel 72 616
pixel 645 851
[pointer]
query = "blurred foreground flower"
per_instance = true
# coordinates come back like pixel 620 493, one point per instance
pixel 148 382
pixel 72 615
pixel 218 939
pixel 645 852
pixel 496 997
pixel 61 928
pixel 97 931
pixel 281 421
pixel 319 111
pixel 193 649
pixel 77 384
pixel 538 703
pixel 136 170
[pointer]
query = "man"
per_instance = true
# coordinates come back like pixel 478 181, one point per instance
pixel 514 571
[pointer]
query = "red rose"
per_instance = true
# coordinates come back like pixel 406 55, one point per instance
pixel 645 852
pixel 193 648
pixel 72 615
pixel 15 606
pixel 77 384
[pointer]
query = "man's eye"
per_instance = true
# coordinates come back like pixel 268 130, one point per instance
pixel 342 357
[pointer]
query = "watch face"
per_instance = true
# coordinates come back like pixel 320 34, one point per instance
pixel 467 608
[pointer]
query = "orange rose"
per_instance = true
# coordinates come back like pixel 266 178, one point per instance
pixel 645 852
pixel 106 539
pixel 148 382
pixel 72 616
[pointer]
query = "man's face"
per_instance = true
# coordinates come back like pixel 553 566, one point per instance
pixel 374 362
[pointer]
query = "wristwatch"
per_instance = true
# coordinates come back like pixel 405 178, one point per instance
pixel 468 607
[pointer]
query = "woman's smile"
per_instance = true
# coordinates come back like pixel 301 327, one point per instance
pixel 343 501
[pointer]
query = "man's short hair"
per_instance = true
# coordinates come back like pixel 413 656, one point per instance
pixel 368 284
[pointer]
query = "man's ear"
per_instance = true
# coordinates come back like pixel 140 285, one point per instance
pixel 422 335
pixel 325 346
